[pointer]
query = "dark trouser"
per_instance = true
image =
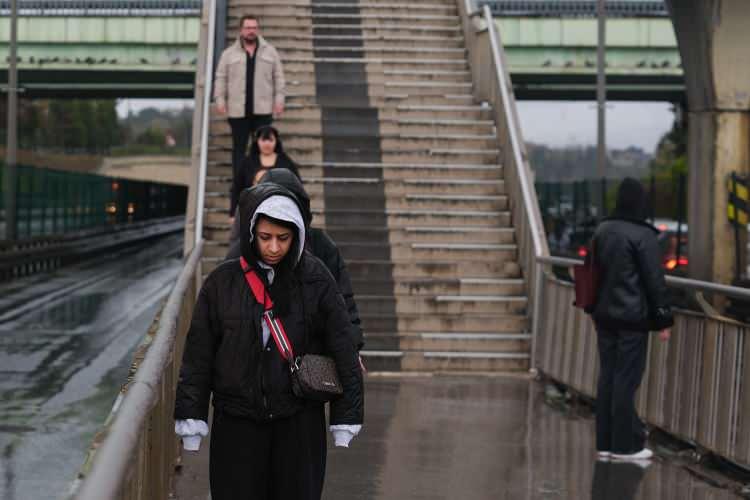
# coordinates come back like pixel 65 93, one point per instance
pixel 281 460
pixel 622 359
pixel 242 129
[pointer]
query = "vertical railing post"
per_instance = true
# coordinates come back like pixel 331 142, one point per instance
pixel 537 313
pixel 11 172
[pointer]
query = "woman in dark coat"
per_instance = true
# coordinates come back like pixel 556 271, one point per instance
pixel 266 443
pixel 317 243
pixel 266 152
pixel 631 301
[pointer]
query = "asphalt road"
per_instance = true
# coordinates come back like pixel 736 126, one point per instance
pixel 66 341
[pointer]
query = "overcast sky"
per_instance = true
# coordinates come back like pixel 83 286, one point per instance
pixel 566 123
pixel 555 123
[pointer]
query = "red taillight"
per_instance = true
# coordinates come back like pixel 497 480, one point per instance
pixel 582 252
pixel 662 227
pixel 683 261
pixel 671 264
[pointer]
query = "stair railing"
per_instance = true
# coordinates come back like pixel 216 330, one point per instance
pixel 137 455
pixel 492 85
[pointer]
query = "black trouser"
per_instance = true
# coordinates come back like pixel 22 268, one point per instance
pixel 622 359
pixel 242 129
pixel 280 460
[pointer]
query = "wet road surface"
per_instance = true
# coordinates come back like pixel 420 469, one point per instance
pixel 66 341
pixel 487 439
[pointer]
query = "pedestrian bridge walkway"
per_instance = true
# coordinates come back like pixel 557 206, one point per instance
pixel 479 438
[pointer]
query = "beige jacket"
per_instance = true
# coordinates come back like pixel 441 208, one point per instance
pixel 270 87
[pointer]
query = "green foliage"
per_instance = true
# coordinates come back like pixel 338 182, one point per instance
pixel 152 136
pixel 93 127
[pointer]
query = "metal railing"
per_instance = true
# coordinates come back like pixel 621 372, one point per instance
pixel 107 8
pixel 575 8
pixel 694 386
pixel 492 85
pixel 205 117
pixel 51 202
pixel 136 458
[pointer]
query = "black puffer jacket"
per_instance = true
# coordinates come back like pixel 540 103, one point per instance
pixel 632 291
pixel 244 177
pixel 224 355
pixel 319 244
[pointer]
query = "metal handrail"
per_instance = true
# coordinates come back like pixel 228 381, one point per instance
pixel 527 186
pixel 115 455
pixel 205 120
pixel 114 8
pixel 672 281
pixel 575 8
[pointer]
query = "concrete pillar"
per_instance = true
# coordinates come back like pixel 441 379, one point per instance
pixel 713 38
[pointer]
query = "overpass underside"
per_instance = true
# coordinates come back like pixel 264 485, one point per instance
pixel 549 59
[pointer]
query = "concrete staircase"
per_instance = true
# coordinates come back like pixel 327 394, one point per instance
pixel 402 167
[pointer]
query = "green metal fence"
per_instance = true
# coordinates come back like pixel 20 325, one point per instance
pixel 51 202
pixel 571 210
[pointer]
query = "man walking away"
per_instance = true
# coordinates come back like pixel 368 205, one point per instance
pixel 250 87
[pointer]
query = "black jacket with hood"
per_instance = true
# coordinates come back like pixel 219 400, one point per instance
pixel 224 355
pixel 243 179
pixel 318 243
pixel 632 293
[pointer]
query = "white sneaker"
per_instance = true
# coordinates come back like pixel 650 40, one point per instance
pixel 644 454
pixel 603 455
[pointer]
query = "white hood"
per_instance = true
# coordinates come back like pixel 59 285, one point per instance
pixel 282 208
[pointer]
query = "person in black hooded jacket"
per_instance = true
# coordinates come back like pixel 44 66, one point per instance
pixel 631 301
pixel 266 153
pixel 318 243
pixel 266 443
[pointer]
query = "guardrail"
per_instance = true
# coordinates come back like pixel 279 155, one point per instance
pixel 136 458
pixel 106 8
pixel 575 8
pixel 492 85
pixel 695 386
pixel 45 253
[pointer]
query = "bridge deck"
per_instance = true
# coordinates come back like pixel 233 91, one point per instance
pixel 453 437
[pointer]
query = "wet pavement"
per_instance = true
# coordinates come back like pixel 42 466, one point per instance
pixel 487 438
pixel 66 342
pixel 477 438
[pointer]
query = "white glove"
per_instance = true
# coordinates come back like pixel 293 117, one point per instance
pixel 191 431
pixel 343 434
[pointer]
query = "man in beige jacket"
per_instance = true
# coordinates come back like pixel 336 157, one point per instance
pixel 250 87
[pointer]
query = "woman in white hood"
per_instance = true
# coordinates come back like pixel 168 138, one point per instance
pixel 266 443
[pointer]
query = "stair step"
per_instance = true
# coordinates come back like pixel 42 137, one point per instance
pixel 433 286
pixel 444 361
pixel 375 269
pixel 448 342
pixel 395 217
pixel 427 169
pixel 441 322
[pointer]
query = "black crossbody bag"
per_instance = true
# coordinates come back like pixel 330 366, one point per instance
pixel 313 376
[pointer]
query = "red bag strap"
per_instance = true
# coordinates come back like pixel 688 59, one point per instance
pixel 279 337
pixel 256 285
pixel 274 324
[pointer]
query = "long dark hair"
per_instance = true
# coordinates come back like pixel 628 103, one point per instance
pixel 285 276
pixel 264 132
